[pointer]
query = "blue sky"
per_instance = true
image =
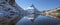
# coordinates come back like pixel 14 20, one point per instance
pixel 39 4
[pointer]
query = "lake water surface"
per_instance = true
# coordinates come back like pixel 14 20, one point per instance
pixel 40 20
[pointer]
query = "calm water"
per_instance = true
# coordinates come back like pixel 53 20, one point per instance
pixel 40 20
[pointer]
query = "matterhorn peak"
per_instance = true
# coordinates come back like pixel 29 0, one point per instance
pixel 31 7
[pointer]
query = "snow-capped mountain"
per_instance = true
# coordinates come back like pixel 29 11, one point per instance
pixel 33 12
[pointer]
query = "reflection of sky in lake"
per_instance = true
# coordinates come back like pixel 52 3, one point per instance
pixel 24 21
pixel 41 20
pixel 44 20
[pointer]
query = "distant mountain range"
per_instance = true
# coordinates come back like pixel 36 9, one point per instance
pixel 55 13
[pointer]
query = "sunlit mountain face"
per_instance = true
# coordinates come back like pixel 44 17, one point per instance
pixel 54 13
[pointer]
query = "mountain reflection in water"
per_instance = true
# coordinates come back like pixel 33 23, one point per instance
pixel 40 20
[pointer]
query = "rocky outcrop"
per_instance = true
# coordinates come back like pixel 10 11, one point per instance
pixel 10 12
